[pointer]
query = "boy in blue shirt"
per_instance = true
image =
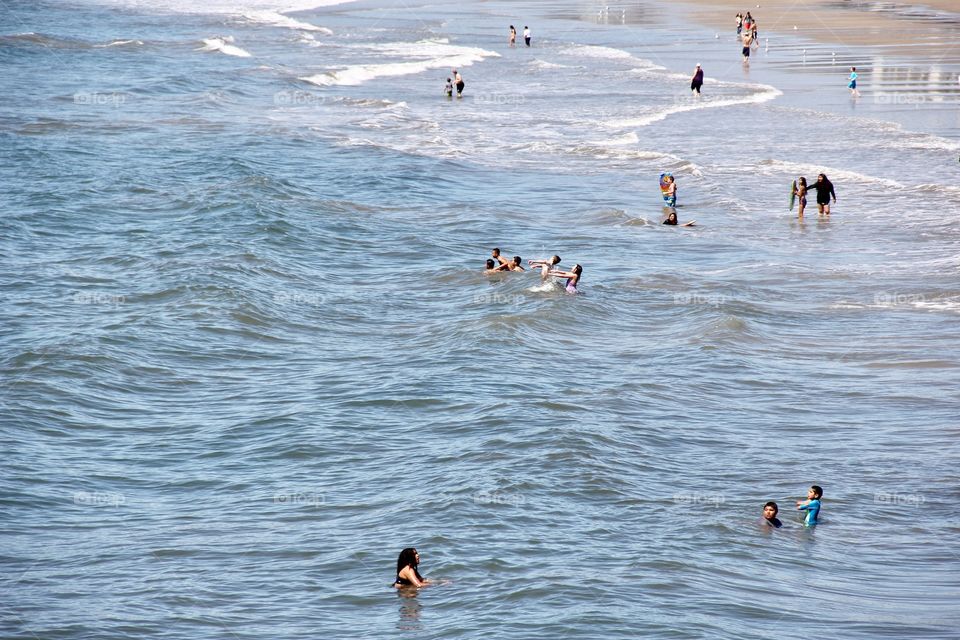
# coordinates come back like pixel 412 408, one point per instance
pixel 811 505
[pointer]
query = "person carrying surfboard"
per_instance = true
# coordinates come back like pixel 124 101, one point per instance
pixel 800 192
pixel 671 193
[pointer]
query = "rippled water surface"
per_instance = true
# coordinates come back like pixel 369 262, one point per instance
pixel 249 353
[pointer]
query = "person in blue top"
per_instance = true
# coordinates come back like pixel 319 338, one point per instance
pixel 852 85
pixel 811 505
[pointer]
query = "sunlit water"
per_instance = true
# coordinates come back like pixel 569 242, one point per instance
pixel 248 353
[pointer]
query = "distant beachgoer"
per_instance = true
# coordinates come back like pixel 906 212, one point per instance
pixel 449 88
pixel 811 505
pixel 770 519
pixel 824 191
pixel 739 23
pixel 572 276
pixel 672 220
pixel 526 35
pixel 697 81
pixel 671 191
pixel 544 265
pixel 853 82
pixel 747 41
pixel 407 574
pixel 513 36
pixel 801 193
pixel 459 80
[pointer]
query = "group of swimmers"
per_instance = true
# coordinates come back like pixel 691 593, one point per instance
pixel 811 506
pixel 408 573
pixel 824 189
pixel 497 263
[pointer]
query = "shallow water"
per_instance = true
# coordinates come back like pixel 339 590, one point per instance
pixel 249 356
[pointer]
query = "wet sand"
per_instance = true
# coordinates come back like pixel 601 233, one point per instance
pixel 930 30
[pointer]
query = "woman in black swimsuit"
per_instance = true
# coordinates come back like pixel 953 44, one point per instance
pixel 824 190
pixel 407 574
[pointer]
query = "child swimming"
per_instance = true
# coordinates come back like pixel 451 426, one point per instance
pixel 544 265
pixel 770 519
pixel 811 505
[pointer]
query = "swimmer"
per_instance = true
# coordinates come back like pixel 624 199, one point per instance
pixel 515 265
pixel 492 267
pixel 544 265
pixel 672 220
pixel 449 88
pixel 572 276
pixel 770 519
pixel 495 253
pixel 513 36
pixel 811 505
pixel 407 574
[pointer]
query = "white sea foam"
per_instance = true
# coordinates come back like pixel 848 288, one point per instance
pixel 542 64
pixel 436 54
pixel 609 53
pixel 279 20
pixel 835 175
pixel 627 138
pixel 119 43
pixel 764 94
pixel 223 45
pixel 237 7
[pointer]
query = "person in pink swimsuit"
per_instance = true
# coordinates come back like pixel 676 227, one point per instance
pixel 572 276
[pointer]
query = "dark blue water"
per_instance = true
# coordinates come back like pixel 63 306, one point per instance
pixel 248 352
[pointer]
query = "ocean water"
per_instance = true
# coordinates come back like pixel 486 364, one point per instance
pixel 249 354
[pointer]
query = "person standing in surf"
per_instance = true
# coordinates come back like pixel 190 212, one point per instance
pixel 801 193
pixel 824 191
pixel 747 41
pixel 697 81
pixel 671 191
pixel 513 36
pixel 459 80
pixel 739 23
pixel 852 85
pixel 526 34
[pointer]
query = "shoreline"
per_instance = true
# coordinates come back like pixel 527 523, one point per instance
pixel 888 29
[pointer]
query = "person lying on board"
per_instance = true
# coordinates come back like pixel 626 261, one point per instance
pixel 672 220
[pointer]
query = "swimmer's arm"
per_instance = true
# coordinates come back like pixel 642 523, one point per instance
pixel 412 577
pixel 803 504
pixel 689 224
pixel 503 266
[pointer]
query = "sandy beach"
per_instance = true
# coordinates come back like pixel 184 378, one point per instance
pixel 920 28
